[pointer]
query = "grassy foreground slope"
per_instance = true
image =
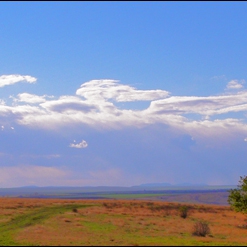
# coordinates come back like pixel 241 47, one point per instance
pixel 114 223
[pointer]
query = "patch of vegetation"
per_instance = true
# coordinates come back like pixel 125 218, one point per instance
pixel 75 210
pixel 183 211
pixel 8 229
pixel 130 195
pixel 99 226
pixel 115 223
pixel 238 197
pixel 201 229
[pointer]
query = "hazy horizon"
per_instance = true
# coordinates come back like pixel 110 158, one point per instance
pixel 151 185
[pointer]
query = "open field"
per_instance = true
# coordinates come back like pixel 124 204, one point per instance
pixel 207 197
pixel 115 222
pixel 216 195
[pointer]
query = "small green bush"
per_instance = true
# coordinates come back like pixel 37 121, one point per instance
pixel 183 211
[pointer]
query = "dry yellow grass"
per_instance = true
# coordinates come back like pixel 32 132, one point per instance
pixel 122 222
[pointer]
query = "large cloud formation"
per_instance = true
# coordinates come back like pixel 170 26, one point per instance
pixel 172 139
pixel 95 104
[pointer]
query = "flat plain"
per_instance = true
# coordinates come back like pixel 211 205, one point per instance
pixel 60 222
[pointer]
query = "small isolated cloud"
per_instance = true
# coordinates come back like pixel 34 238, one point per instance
pixel 245 139
pixel 6 80
pixel 235 84
pixel 82 144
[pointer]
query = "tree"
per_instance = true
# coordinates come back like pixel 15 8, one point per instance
pixel 238 197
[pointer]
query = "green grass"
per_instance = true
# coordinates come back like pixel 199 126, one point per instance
pixel 125 224
pixel 129 196
pixel 99 227
pixel 131 235
pixel 8 229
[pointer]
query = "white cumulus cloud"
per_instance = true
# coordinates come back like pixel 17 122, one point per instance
pixel 6 80
pixel 235 84
pixel 112 89
pixel 30 98
pixel 82 144
pixel 94 106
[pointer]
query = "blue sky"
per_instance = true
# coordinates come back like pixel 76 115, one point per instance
pixel 122 93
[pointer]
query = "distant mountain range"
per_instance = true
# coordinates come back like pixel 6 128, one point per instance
pixel 149 185
pixel 168 184
pixel 100 191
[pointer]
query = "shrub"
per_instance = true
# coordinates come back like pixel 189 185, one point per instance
pixel 238 197
pixel 201 229
pixel 75 210
pixel 183 211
